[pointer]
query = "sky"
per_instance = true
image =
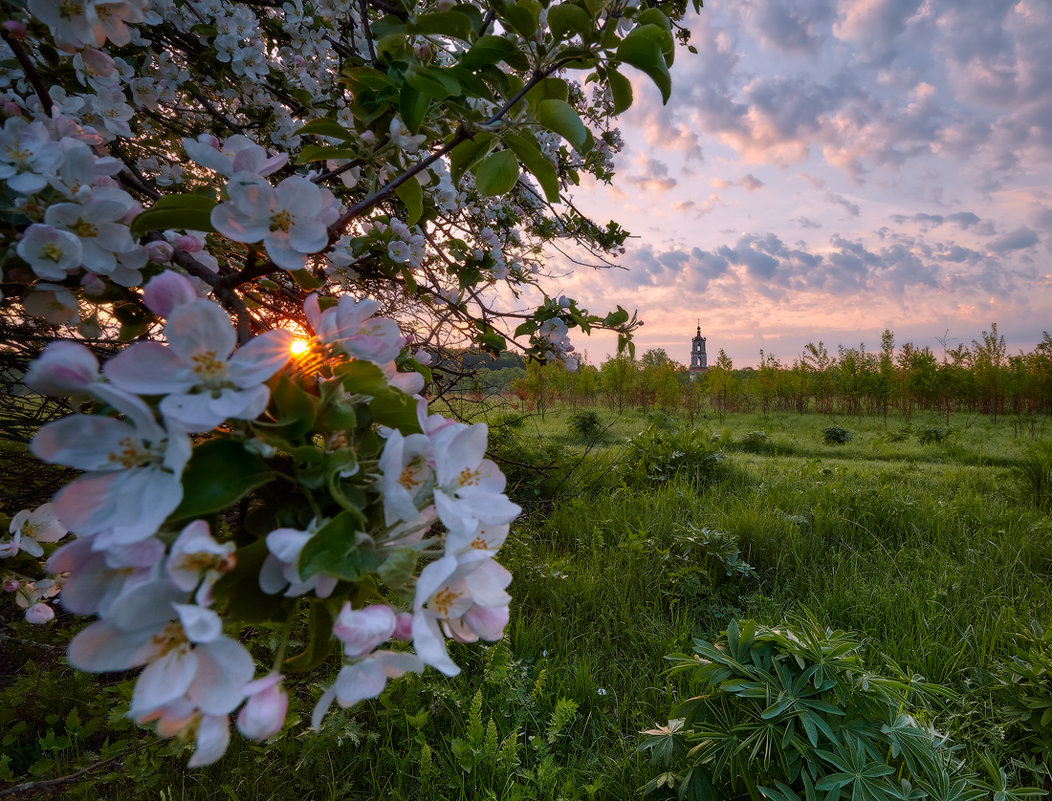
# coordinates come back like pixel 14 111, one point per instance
pixel 826 169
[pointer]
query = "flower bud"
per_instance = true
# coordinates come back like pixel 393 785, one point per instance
pixel 14 29
pixel 39 613
pixel 159 252
pixel 264 712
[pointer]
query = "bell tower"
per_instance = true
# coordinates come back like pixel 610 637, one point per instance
pixel 698 360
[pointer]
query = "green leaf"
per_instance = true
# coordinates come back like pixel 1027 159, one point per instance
pixel 220 472
pixel 529 153
pixel 397 410
pixel 555 88
pixel 491 50
pixel 238 593
pixel 566 19
pixel 442 23
pixel 560 117
pixel 413 107
pixel 497 173
pixel 325 127
pixel 296 408
pixel 653 16
pixel 324 153
pixel 398 567
pixel 410 193
pixel 333 550
pixel 524 17
pixel 319 640
pixel 642 48
pixel 363 378
pixel 191 212
pixel 434 83
pixel 621 88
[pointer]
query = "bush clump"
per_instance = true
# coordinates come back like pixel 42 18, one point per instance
pixel 656 455
pixel 755 442
pixel 1032 477
pixel 586 425
pixel 793 713
pixel 835 435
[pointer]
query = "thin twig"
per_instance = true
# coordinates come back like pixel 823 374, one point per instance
pixel 31 787
pixel 30 69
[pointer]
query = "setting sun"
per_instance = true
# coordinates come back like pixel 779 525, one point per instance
pixel 299 347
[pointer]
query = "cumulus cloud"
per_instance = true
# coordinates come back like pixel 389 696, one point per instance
pixel 850 207
pixel 652 176
pixel 1019 239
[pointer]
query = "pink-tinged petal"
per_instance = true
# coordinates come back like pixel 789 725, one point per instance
pixel 82 441
pixel 307 235
pixel 245 404
pixel 264 712
pixel 299 195
pixel 166 291
pixel 355 683
pixel 452 514
pixel 433 578
pixel 182 566
pixel 253 195
pixel 489 507
pixel 149 368
pixel 488 622
pixel 85 503
pixel 173 720
pixel 213 737
pixel 39 614
pixel 281 253
pixel 322 707
pixel 164 680
pixel 398 663
pixel 324 585
pixel 147 606
pixel 177 454
pixel 140 501
pixel 234 224
pixel 259 358
pixel 272 576
pixel 286 543
pixel 85 586
pixel 224 668
pixel 193 413
pixel 199 329
pixel 361 630
pixel 102 647
pixel 458 457
pixel 430 645
pixel 201 625
pixel 487 584
pixel 63 368
pixel 312 311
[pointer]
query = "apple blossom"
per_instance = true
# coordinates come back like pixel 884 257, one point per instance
pixel 204 379
pixel 290 218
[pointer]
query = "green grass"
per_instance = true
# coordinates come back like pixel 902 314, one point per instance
pixel 928 550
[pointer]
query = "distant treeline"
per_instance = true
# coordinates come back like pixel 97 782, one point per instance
pixel 981 377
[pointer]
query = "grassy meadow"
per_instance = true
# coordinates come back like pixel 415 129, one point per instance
pixel 930 543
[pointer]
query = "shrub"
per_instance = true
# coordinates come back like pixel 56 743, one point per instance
pixel 931 435
pixel 1025 691
pixel 755 442
pixel 656 455
pixel 586 425
pixel 793 713
pixel 1032 477
pixel 835 435
pixel 660 419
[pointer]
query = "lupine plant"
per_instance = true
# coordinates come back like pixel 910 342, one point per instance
pixel 269 209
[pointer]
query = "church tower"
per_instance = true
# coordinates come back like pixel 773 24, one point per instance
pixel 698 361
